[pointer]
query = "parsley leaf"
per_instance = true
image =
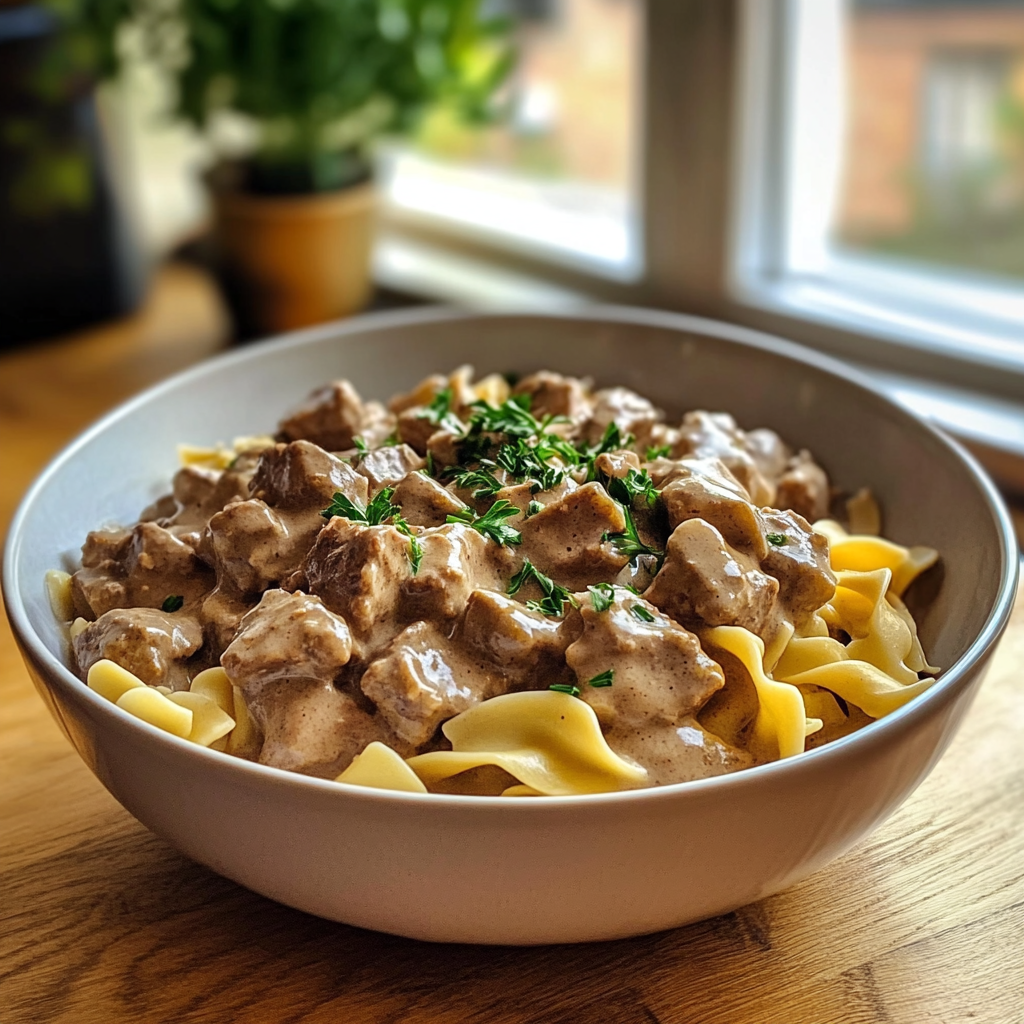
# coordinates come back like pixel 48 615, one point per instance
pixel 635 484
pixel 659 451
pixel 641 613
pixel 777 540
pixel 491 524
pixel 601 596
pixel 439 412
pixel 172 603
pixel 605 678
pixel 555 597
pixel 342 506
pixel 533 508
pixel 360 445
pixel 429 468
pixel 523 461
pixel 377 512
pixel 573 691
pixel 415 554
pixel 628 542
pixel 485 482
pixel 512 417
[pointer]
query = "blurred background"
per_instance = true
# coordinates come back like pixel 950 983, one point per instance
pixel 849 173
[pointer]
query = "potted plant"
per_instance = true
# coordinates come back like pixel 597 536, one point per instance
pixel 292 95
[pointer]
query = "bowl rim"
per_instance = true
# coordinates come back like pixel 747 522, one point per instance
pixel 879 732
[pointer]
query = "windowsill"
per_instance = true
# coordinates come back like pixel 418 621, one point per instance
pixel 993 428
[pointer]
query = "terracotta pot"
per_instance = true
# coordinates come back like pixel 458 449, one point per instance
pixel 291 261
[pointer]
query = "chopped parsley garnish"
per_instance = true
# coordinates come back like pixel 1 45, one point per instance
pixel 360 445
pixel 777 540
pixel 573 691
pixel 605 678
pixel 641 613
pixel 439 412
pixel 635 484
pixel 492 522
pixel 391 441
pixel 377 513
pixel 429 468
pixel 533 508
pixel 601 596
pixel 415 554
pixel 379 508
pixel 658 451
pixel 555 597
pixel 628 542
pixel 172 603
pixel 485 482
pixel 523 461
pixel 512 417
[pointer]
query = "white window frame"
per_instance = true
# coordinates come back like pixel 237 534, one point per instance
pixel 964 327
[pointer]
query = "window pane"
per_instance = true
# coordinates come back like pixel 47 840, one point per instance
pixel 558 176
pixel 934 155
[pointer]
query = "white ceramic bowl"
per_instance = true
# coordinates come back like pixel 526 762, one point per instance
pixel 477 869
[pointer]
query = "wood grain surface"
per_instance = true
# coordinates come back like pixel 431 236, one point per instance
pixel 100 921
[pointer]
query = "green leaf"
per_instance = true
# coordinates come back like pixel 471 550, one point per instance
pixel 605 678
pixel 555 597
pixel 172 603
pixel 492 523
pixel 641 613
pixel 601 596
pixel 660 451
pixel 628 542
pixel 777 540
pixel 573 691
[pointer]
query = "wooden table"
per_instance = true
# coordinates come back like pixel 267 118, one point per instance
pixel 101 922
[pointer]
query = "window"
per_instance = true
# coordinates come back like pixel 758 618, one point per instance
pixel 880 190
pixel 558 180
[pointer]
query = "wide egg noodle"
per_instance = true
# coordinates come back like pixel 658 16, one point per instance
pixel 380 767
pixel 863 553
pixel 863 685
pixel 551 742
pixel 781 724
pixel 878 635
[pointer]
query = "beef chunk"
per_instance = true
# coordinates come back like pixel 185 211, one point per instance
pixel 715 435
pixel 424 679
pixel 705 581
pixel 768 450
pixel 564 539
pixel 287 636
pixel 140 568
pixel 152 644
pixel 456 561
pixel 424 502
pixel 617 464
pixel 631 412
pixel 253 546
pixel 221 614
pixel 659 671
pixel 800 563
pixel 415 428
pixel 330 417
pixel 705 489
pixel 313 728
pixel 302 476
pixel 385 467
pixel 358 571
pixel 526 647
pixel 551 394
pixel 804 488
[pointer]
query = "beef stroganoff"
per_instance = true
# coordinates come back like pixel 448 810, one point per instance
pixel 526 589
